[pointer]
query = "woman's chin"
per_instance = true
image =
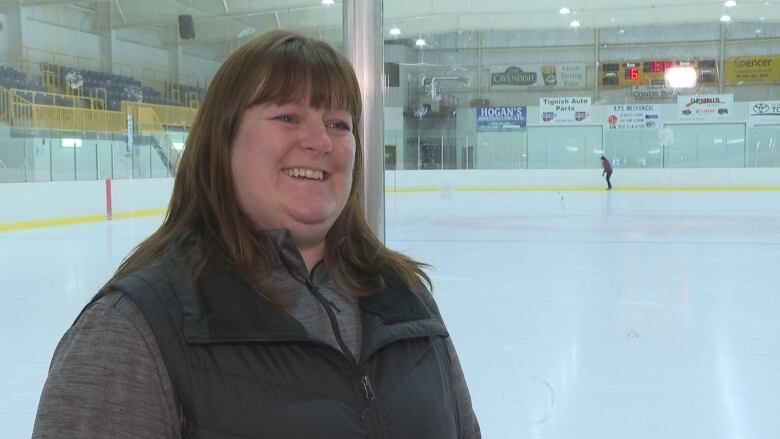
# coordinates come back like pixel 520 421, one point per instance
pixel 310 229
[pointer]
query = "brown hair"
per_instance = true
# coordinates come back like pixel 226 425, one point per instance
pixel 278 66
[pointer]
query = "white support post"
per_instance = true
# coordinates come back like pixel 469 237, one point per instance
pixel 364 45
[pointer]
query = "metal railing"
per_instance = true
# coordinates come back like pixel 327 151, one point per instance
pixel 24 108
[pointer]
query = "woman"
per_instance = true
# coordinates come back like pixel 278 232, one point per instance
pixel 263 306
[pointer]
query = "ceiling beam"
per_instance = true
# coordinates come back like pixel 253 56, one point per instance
pixel 211 17
pixel 121 14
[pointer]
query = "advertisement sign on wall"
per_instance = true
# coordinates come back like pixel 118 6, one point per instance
pixel 705 107
pixel 752 69
pixel 501 118
pixel 764 114
pixel 633 117
pixel 653 92
pixel 541 75
pixel 557 111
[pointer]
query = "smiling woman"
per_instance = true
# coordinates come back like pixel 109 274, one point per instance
pixel 263 306
pixel 292 166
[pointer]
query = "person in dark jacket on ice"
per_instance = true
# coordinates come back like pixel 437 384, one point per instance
pixel 263 306
pixel 607 167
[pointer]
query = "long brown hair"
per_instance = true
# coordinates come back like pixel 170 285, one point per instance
pixel 278 66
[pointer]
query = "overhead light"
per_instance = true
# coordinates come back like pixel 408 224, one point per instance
pixel 730 3
pixel 574 23
pixel 327 2
pixel 564 10
pixel 178 146
pixel 420 42
pixel 680 77
pixel 246 32
pixel 725 18
pixel 395 31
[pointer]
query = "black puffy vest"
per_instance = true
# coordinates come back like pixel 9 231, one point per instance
pixel 243 368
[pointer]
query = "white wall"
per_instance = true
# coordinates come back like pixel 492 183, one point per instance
pixel 200 68
pixel 39 35
pixel 4 37
pixel 139 56
pixel 49 200
pixel 141 194
pixel 75 199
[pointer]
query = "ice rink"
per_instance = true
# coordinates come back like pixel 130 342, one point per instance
pixel 577 315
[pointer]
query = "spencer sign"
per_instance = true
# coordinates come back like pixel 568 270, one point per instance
pixel 752 69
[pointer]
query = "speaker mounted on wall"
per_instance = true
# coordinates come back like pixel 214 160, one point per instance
pixel 186 27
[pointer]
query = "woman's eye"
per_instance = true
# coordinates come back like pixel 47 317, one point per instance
pixel 286 118
pixel 341 126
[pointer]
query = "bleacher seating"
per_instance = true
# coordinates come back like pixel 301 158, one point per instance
pixel 12 78
pixel 117 88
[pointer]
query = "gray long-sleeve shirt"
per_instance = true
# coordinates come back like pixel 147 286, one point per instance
pixel 108 377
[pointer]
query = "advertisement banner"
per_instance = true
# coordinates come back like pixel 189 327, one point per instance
pixel 557 111
pixel 764 114
pixel 705 107
pixel 653 92
pixel 501 118
pixel 539 75
pixel 633 117
pixel 752 69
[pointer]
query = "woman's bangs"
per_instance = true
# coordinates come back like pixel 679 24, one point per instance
pixel 329 84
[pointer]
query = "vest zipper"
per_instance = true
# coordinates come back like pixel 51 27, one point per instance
pixel 367 387
pixel 364 380
pixel 315 291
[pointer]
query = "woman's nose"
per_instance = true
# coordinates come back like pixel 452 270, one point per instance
pixel 315 137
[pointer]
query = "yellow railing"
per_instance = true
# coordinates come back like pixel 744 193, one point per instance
pixel 159 80
pixel 68 119
pixel 147 122
pixel 19 108
pixel 167 115
pixel 74 101
pixel 4 113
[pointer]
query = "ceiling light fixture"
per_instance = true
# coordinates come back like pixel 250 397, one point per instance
pixel 725 18
pixel 395 31
pixel 730 3
pixel 574 23
pixel 420 42
pixel 327 2
pixel 564 10
pixel 680 77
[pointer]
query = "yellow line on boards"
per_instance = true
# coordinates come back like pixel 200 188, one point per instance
pixel 21 225
pixel 585 189
pixel 140 213
pixel 53 222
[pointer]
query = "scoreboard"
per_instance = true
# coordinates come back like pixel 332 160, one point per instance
pixel 628 74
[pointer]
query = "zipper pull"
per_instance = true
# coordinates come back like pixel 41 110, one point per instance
pixel 367 387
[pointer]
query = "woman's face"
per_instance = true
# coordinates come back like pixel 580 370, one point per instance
pixel 292 168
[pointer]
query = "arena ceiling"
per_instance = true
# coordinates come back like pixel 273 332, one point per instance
pixel 228 20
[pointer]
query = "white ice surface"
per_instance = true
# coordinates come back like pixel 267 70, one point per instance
pixel 576 315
